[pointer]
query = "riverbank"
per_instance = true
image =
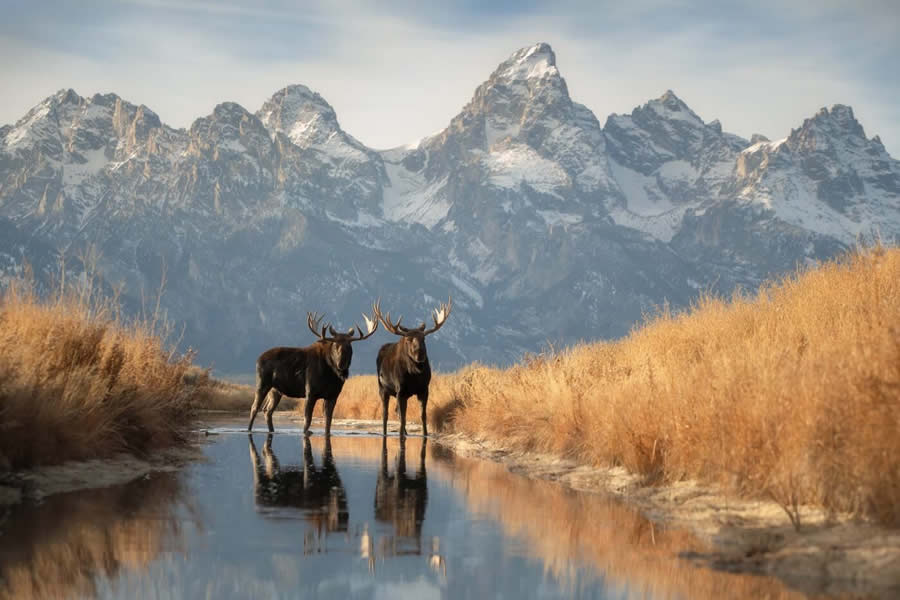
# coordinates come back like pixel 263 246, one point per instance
pixel 43 481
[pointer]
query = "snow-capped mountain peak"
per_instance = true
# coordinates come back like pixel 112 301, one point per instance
pixel 534 62
pixel 302 115
pixel 520 134
pixel 820 132
pixel 671 107
pixel 826 176
pixel 355 173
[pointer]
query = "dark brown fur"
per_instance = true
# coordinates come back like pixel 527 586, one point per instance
pixel 316 371
pixel 403 368
pixel 402 376
pixel 309 372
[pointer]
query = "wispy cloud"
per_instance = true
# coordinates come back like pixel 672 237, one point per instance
pixel 396 72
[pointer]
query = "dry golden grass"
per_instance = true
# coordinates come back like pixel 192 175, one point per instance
pixel 792 393
pixel 359 400
pixel 227 396
pixel 78 382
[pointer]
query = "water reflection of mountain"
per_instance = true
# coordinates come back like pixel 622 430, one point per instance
pixel 315 493
pixel 62 547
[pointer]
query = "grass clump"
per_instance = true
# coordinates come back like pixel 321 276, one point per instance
pixel 77 381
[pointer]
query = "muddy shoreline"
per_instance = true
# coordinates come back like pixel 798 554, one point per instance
pixel 827 556
pixel 36 484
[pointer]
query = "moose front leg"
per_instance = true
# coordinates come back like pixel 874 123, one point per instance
pixel 401 404
pixel 308 410
pixel 385 399
pixel 330 403
pixel 423 398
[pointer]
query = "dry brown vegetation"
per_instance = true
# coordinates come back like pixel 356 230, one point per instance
pixel 227 396
pixel 792 393
pixel 77 381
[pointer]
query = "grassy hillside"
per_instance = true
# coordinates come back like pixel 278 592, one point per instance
pixel 791 393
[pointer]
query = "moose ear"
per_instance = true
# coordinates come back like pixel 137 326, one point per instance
pixel 351 331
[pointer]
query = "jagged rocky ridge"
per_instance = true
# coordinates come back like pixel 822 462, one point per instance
pixel 543 224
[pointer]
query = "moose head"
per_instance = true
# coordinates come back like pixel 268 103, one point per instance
pixel 413 339
pixel 340 352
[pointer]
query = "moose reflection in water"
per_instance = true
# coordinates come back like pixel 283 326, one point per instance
pixel 316 492
pixel 400 501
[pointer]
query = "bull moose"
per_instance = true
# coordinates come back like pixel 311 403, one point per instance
pixel 403 368
pixel 316 371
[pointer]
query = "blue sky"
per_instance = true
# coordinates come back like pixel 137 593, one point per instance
pixel 396 71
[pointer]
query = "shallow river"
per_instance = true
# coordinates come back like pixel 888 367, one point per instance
pixel 359 517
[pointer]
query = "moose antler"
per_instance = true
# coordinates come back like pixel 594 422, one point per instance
pixel 371 324
pixel 314 321
pixel 394 328
pixel 440 315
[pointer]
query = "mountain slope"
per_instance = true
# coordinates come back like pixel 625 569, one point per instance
pixel 543 225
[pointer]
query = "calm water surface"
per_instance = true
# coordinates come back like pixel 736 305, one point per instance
pixel 360 517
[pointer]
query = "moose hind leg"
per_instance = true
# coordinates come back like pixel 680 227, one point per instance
pixel 274 399
pixel 262 390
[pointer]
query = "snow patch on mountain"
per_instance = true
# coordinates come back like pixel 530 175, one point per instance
pixel 518 164
pixel 555 217
pixel 642 194
pixel 21 133
pixel 764 145
pixel 74 173
pixel 497 131
pixel 468 289
pixel 407 197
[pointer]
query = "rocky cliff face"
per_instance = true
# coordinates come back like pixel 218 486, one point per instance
pixel 543 225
